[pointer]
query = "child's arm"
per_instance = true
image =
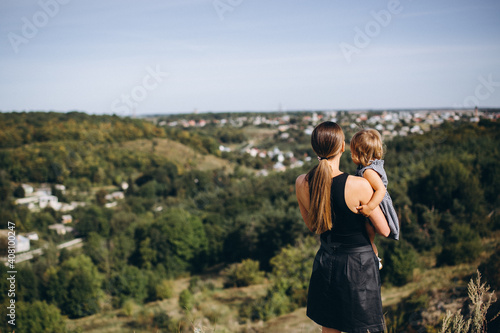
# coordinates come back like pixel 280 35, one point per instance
pixel 378 186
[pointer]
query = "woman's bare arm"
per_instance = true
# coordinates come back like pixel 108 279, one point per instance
pixel 379 222
pixel 302 193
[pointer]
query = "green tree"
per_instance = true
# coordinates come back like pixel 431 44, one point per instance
pixel 93 219
pixel 5 186
pixel 100 197
pixel 461 244
pixel 27 283
pixel 420 227
pixel 177 239
pixel 120 221
pixel 4 283
pixel 19 192
pixel 449 180
pixel 121 248
pixel 95 247
pixel 39 317
pixel 400 258
pixel 75 286
pixel 130 282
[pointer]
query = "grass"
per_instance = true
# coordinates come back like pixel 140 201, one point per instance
pixel 258 134
pixel 481 299
pixel 183 156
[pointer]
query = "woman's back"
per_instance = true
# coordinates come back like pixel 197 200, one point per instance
pixel 348 227
pixel 357 191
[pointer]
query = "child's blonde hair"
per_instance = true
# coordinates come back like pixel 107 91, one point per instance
pixel 366 145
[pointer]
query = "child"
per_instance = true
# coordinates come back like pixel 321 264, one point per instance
pixel 367 152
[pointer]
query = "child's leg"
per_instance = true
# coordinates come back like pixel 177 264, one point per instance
pixel 371 234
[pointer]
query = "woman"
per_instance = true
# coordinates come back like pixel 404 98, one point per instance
pixel 344 290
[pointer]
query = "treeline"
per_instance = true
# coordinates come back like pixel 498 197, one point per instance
pixel 20 128
pixel 73 148
pixel 443 183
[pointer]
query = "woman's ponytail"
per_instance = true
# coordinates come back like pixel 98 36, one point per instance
pixel 326 140
pixel 320 215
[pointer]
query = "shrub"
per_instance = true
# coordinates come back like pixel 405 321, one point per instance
pixel 186 300
pixel 163 321
pixel 243 274
pixel 164 289
pixel 128 307
pixel 291 270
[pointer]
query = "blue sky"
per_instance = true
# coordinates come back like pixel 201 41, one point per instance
pixel 173 56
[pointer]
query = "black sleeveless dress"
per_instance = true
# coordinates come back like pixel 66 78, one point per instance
pixel 344 290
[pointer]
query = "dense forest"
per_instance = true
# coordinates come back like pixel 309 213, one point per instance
pixel 184 220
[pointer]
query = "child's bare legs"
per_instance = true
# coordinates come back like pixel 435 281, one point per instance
pixel 371 234
pixel 329 330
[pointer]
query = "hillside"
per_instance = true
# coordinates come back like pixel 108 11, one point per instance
pixel 65 148
pixel 432 291
pixel 155 208
pixel 184 157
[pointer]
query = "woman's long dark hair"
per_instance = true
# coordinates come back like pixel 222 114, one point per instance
pixel 326 140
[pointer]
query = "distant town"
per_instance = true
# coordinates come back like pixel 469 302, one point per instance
pixel 390 123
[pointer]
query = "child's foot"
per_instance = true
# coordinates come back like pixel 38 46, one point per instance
pixel 379 263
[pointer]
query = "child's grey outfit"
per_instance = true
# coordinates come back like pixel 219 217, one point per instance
pixel 386 204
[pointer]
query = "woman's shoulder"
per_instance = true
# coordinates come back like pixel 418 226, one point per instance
pixel 359 187
pixel 302 187
pixel 301 181
pixel 357 181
